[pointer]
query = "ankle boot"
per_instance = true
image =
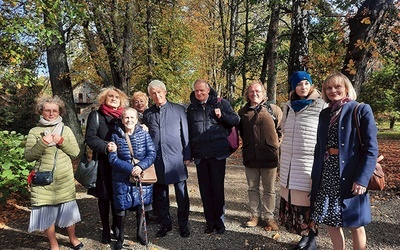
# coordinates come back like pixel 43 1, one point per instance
pixel 312 241
pixel 139 227
pixel 307 242
pixel 302 243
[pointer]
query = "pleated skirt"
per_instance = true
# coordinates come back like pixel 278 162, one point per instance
pixel 62 215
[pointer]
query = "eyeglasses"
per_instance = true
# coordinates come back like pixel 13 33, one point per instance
pixel 51 111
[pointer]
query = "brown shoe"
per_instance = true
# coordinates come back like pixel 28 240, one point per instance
pixel 252 222
pixel 271 225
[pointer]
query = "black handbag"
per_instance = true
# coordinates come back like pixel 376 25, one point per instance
pixel 86 172
pixel 43 178
pixel 46 177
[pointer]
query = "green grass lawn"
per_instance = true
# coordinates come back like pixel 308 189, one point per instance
pixel 385 133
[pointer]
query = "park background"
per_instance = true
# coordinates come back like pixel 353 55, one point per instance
pixel 54 47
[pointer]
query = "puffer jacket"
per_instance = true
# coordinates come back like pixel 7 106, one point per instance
pixel 125 194
pixel 297 148
pixel 207 133
pixel 62 189
pixel 261 136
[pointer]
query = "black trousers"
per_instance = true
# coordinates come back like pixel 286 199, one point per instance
pixel 211 178
pixel 162 205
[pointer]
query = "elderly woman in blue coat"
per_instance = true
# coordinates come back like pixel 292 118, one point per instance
pixel 342 167
pixel 127 195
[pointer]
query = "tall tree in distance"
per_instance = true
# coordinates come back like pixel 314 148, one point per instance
pixel 53 14
pixel 298 55
pixel 114 22
pixel 364 27
pixel 270 57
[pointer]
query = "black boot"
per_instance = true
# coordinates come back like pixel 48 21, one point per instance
pixel 119 221
pixel 307 242
pixel 139 226
pixel 312 241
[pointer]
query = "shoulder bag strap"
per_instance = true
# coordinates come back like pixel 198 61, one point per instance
pixel 55 154
pixel 128 140
pixel 358 125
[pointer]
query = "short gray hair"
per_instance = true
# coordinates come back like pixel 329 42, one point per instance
pixel 156 84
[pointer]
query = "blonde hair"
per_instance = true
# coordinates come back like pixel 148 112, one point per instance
pixel 339 78
pixel 263 89
pixel 124 100
pixel 140 95
pixel 50 99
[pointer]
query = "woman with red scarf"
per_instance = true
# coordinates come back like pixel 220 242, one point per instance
pixel 100 125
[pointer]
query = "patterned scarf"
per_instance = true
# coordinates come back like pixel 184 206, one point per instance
pixel 116 113
pixel 336 109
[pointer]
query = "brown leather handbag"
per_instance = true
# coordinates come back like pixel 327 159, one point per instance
pixel 148 176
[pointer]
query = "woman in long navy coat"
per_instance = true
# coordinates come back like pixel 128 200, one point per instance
pixel 342 168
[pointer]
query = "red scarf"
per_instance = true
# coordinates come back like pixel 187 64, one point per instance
pixel 116 113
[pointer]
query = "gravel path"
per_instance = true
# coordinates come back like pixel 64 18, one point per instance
pixel 383 233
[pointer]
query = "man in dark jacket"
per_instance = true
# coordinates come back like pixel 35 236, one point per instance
pixel 209 119
pixel 167 123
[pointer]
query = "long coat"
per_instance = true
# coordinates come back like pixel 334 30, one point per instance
pixel 168 128
pixel 208 134
pixel 356 164
pixel 261 136
pixel 97 138
pixel 62 189
pixel 126 194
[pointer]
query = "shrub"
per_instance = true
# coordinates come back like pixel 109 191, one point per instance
pixel 14 168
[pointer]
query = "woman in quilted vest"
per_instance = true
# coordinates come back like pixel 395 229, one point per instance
pixel 52 144
pixel 127 195
pixel 299 126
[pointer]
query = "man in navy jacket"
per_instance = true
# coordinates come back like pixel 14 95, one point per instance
pixel 209 119
pixel 168 128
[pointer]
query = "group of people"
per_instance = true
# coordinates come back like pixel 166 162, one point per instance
pixel 323 173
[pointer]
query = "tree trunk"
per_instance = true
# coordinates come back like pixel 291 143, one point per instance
pixel 246 45
pixel 364 27
pixel 298 55
pixel 149 29
pixel 270 53
pixel 114 23
pixel 59 75
pixel 94 54
pixel 231 64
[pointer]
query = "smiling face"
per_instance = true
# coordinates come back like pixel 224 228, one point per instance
pixel 303 88
pixel 256 94
pixel 335 90
pixel 139 104
pixel 113 99
pixel 129 119
pixel 50 111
